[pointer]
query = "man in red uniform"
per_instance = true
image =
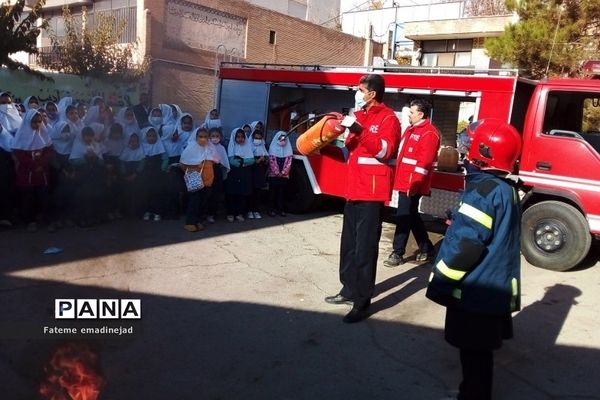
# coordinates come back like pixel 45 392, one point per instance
pixel 417 154
pixel 368 186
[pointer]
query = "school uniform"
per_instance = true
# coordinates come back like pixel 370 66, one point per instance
pixel 239 180
pixel 280 165
pixel 33 152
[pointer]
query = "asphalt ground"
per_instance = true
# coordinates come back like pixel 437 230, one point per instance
pixel 237 312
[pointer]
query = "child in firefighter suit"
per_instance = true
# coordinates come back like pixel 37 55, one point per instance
pixel 476 273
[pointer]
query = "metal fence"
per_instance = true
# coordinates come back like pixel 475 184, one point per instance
pixel 51 54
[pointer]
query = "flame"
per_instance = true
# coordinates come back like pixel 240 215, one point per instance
pixel 72 374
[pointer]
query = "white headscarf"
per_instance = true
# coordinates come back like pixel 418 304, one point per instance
pixel 54 120
pixel 129 154
pixel 114 147
pixel 128 127
pixel 63 142
pixel 194 154
pixel 27 100
pixel 258 150
pixel 151 149
pixel 95 99
pixel 92 115
pixel 28 139
pixel 172 148
pixel 62 107
pixel 80 148
pixel 6 140
pixel 211 123
pixel 275 149
pixel 221 156
pixel 253 126
pixel 10 118
pixel 234 149
pixel 188 136
pixel 156 126
pixel 167 114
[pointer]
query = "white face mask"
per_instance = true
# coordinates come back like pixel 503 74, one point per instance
pixel 257 142
pixel 359 100
pixel 156 120
pixel 9 109
pixel 215 140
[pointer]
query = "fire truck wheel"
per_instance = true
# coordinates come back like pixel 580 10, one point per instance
pixel 299 195
pixel 554 236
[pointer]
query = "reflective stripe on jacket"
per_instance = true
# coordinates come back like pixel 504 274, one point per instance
pixel 371 154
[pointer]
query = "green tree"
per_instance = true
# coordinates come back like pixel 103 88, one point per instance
pixel 18 33
pixel 552 37
pixel 94 49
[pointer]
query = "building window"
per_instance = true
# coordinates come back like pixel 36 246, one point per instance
pixel 447 53
pixel 272 37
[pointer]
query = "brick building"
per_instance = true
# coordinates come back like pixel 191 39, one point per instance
pixel 187 39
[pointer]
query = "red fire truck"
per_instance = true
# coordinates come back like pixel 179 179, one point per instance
pixel 559 121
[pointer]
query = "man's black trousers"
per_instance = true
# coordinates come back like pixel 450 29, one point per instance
pixel 359 250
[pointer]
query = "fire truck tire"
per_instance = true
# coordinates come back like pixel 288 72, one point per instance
pixel 554 236
pixel 299 196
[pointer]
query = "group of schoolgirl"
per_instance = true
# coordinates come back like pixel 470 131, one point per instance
pixel 64 163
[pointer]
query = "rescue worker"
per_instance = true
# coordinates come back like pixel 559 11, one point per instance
pixel 418 152
pixel 368 186
pixel 476 273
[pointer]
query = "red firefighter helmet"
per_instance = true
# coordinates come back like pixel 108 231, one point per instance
pixel 494 144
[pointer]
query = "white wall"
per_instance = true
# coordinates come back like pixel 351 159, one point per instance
pixel 315 11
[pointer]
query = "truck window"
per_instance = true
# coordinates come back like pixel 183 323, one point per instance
pixel 573 114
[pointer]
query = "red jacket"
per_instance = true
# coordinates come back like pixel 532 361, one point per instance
pixel 369 171
pixel 33 167
pixel 418 152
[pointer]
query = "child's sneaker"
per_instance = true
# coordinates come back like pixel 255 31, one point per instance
pixel 190 228
pixel 230 218
pixel 156 218
pixel 239 218
pixel 257 215
pixel 147 216
pixel 210 219
pixel 250 215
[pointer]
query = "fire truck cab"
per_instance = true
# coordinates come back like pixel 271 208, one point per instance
pixel 559 121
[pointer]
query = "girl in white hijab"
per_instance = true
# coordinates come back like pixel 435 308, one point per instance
pixel 62 107
pixel 52 112
pixel 280 164
pixel 167 114
pixel 198 157
pixel 89 178
pixel 7 179
pixel 31 102
pixel 155 118
pixel 155 178
pixel 85 146
pixel 10 118
pixel 62 140
pixel 132 167
pixel 239 181
pixel 212 120
pixel 32 135
pixel 221 169
pixel 32 151
pixel 259 174
pixel 126 117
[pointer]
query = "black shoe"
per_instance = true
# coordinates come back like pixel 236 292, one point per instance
pixel 424 256
pixel 338 299
pixel 393 260
pixel 356 315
